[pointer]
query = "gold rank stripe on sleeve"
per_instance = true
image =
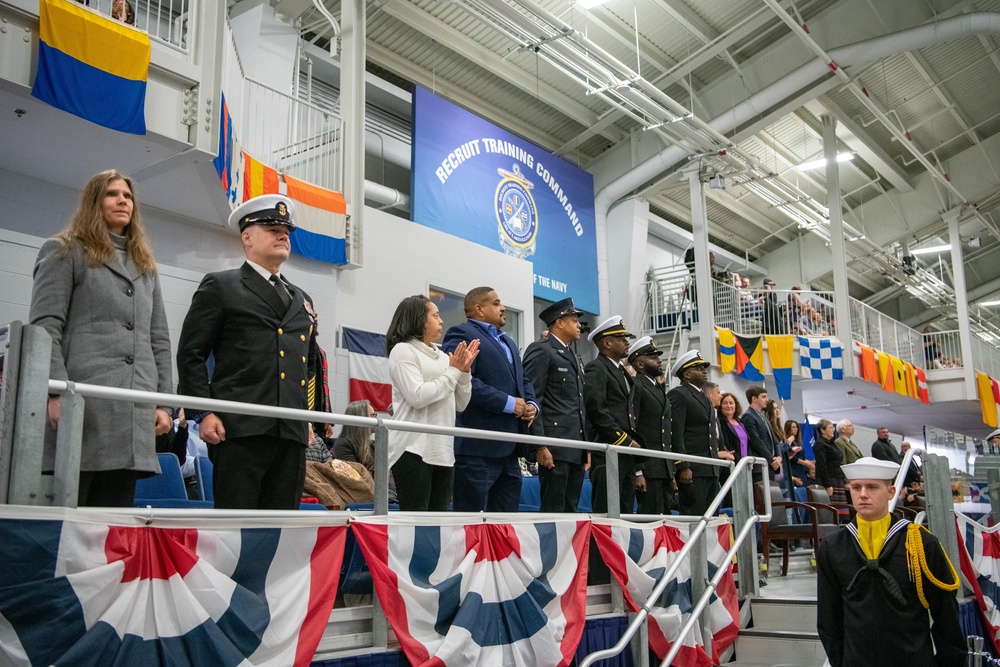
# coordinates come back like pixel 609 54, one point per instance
pixel 621 438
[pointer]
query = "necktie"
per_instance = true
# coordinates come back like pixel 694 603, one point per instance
pixel 286 298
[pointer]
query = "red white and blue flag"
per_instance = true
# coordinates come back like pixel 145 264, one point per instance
pixel 463 593
pixel 980 565
pixel 639 554
pixel 368 367
pixel 84 588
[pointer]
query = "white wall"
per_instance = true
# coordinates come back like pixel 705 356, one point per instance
pixel 660 253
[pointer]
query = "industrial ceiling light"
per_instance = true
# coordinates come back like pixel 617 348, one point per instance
pixel 821 162
pixel 990 303
pixel 930 250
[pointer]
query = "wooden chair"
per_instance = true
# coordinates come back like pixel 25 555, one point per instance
pixel 778 529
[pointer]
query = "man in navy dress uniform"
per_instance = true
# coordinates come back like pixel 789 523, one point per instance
pixel 557 377
pixel 694 431
pixel 606 388
pixel 651 410
pixel 261 331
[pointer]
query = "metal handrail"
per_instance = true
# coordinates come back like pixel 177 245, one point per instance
pixel 685 551
pixel 236 407
pixel 904 467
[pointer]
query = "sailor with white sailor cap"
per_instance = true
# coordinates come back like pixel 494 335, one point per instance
pixel 651 410
pixel 261 331
pixel 694 430
pixel 607 384
pixel 877 579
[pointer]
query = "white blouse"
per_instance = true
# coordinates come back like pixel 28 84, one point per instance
pixel 425 390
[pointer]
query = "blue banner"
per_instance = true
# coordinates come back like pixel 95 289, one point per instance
pixel 476 181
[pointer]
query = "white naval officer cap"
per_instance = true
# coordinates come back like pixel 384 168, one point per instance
pixel 869 467
pixel 613 326
pixel 642 347
pixel 689 359
pixel 992 435
pixel 263 210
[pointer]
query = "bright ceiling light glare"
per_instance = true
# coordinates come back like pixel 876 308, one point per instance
pixel 990 303
pixel 821 162
pixel 930 250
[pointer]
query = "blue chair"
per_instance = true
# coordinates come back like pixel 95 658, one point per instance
pixel 203 471
pixel 531 494
pixel 355 577
pixel 586 504
pixel 167 489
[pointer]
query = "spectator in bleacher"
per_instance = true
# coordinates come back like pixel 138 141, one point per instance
pixel 488 472
pixel 799 464
pixel 883 449
pixel 261 332
pixel 828 460
pixel 775 322
pixel 734 441
pixel 556 374
pixel 428 386
pixel 97 293
pixel 930 347
pixel 915 472
pixel 849 452
pixel 122 11
pixel 355 444
pixel 762 442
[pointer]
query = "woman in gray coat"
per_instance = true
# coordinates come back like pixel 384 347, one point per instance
pixel 97 293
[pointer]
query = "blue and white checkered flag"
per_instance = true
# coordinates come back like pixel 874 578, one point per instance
pixel 821 358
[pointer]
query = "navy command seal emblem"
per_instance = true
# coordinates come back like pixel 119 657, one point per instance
pixel 517 217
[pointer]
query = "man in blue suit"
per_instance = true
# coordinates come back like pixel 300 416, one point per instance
pixel 487 473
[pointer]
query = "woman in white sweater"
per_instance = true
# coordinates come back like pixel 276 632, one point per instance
pixel 428 387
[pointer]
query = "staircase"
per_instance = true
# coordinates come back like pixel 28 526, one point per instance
pixel 782 627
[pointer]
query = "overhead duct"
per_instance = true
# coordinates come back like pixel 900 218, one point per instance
pixel 859 53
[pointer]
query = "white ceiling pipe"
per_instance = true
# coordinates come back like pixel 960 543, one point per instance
pixel 388 197
pixel 851 54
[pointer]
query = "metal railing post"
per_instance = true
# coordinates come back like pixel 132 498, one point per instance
pixel 611 467
pixel 8 401
pixel 30 415
pixel 699 581
pixel 746 557
pixel 69 445
pixel 940 508
pixel 380 625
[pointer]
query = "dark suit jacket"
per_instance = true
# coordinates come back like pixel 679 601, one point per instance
pixel 828 462
pixel 693 428
pixel 494 379
pixel 264 353
pixel 885 450
pixel 651 410
pixel 605 393
pixel 760 440
pixel 557 378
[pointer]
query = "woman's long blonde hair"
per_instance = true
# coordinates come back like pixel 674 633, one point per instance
pixel 88 228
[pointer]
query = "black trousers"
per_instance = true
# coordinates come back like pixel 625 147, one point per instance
pixel 260 472
pixel 694 498
pixel 422 487
pixel 656 499
pixel 626 490
pixel 561 486
pixel 107 488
